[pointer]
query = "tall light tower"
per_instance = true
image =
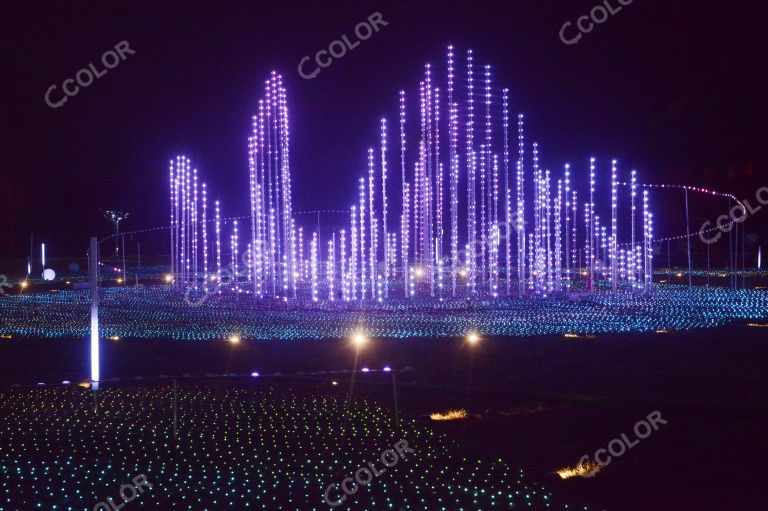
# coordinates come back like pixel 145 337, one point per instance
pixel 116 217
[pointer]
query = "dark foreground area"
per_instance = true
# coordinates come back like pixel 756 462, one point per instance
pixel 540 404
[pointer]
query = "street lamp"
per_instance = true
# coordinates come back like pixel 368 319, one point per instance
pixel 358 341
pixel 116 217
pixel 472 338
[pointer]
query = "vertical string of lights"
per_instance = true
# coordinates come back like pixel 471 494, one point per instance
pixel 558 243
pixel 507 198
pixel 614 226
pixel 471 215
pixel 344 277
pixel 384 204
pixel 331 268
pixel 253 189
pixel 418 195
pixel 205 236
pixel 485 177
pixel 429 172
pixel 288 220
pixel 574 244
pixel 218 245
pixel 454 178
pixel 353 246
pixel 361 233
pixel 538 222
pixel 647 237
pixel 180 161
pixel 173 222
pixel 546 232
pixel 313 266
pixel 591 222
pixel 633 194
pixel 566 232
pixel 260 204
pixel 374 235
pixel 438 197
pixel 521 275
pixel 495 217
pixel 405 214
pixel 194 229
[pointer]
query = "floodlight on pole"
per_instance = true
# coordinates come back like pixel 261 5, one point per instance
pixel 116 217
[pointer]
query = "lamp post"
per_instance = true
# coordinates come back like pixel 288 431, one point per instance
pixel 116 217
pixel 93 259
pixel 471 340
pixel 359 340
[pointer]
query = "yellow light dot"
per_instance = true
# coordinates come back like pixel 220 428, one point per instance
pixel 473 338
pixel 359 339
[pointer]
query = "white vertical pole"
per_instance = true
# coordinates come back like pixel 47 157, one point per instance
pixel 688 239
pixel 94 270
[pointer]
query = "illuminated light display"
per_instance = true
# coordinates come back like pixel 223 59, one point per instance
pixel 366 265
pixel 401 273
pixel 161 312
pixel 239 447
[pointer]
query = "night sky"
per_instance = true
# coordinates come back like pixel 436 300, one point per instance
pixel 673 89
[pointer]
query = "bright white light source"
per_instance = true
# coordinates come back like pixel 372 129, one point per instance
pixel 49 274
pixel 359 339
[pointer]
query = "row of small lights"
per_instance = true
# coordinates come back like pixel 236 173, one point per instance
pixel 359 340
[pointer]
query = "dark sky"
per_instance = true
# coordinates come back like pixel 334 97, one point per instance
pixel 673 89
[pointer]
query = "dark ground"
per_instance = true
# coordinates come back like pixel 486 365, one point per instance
pixel 539 403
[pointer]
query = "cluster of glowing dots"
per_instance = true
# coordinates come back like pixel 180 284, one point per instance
pixel 472 215
pixel 237 447
pixel 154 312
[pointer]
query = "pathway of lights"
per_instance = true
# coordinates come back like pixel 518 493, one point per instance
pixel 161 312
pixel 516 228
pixel 237 448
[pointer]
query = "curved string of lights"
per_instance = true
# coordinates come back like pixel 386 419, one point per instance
pixel 697 189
